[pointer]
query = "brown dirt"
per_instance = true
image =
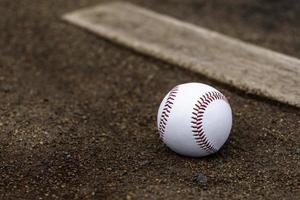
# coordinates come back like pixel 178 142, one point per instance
pixel 77 114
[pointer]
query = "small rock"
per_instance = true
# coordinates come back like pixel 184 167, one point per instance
pixel 144 162
pixel 6 88
pixel 128 197
pixel 67 155
pixel 131 109
pixel 201 179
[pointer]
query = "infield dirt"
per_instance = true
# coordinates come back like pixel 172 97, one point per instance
pixel 78 113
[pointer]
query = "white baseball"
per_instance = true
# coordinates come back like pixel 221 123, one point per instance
pixel 194 119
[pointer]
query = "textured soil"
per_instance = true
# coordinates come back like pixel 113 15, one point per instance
pixel 78 113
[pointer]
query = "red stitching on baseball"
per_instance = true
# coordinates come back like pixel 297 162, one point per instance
pixel 166 111
pixel 197 119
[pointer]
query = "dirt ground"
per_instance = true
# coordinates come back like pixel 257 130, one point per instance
pixel 78 113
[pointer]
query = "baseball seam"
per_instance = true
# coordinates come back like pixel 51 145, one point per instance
pixel 197 119
pixel 166 112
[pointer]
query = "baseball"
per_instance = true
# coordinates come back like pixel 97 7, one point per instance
pixel 194 119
